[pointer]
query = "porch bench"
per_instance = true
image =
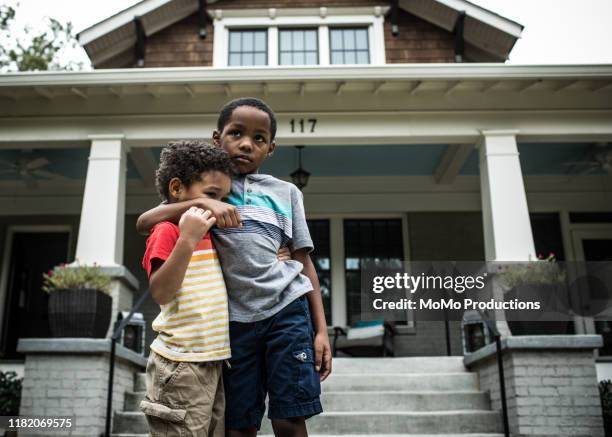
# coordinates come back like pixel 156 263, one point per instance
pixel 380 344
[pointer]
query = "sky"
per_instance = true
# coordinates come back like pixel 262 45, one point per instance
pixel 556 31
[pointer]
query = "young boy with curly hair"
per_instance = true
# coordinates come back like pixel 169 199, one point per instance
pixel 184 395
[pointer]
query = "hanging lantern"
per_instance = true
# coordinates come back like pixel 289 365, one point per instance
pixel 300 176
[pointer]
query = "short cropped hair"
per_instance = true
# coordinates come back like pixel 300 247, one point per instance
pixel 228 109
pixel 187 160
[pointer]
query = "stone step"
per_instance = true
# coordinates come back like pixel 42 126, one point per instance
pixel 393 422
pixel 381 400
pixel 401 382
pixel 390 422
pixel 385 382
pixel 354 435
pixel 398 365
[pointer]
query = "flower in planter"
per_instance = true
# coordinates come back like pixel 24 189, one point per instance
pixel 78 277
pixel 544 271
pixel 80 302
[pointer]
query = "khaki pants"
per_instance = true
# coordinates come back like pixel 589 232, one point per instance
pixel 184 399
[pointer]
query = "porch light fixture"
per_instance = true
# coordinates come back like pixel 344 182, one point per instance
pixel 474 332
pixel 300 176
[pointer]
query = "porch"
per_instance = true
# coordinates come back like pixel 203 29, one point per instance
pixel 469 163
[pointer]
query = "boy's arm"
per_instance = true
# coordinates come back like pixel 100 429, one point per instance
pixel 323 356
pixel 226 215
pixel 168 275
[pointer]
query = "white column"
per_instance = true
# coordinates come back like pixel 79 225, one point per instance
pixel 338 277
pixel 505 216
pixel 103 211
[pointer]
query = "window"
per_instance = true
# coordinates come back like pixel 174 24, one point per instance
pixel 248 47
pixel 349 46
pixel 274 37
pixel 298 47
pixel 366 240
pixel 321 258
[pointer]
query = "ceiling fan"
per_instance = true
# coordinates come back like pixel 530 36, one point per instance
pixel 29 166
pixel 598 158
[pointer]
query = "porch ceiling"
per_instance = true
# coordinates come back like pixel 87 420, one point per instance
pixel 323 161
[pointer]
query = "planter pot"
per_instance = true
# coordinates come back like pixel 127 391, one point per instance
pixel 551 296
pixel 79 313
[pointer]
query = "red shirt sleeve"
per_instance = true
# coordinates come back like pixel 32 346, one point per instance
pixel 160 243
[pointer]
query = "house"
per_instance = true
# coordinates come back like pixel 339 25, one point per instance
pixel 421 144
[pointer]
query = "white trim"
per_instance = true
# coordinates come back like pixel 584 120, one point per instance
pixel 324 52
pixel 208 75
pixel 8 244
pixel 485 16
pixel 273 44
pixel 226 20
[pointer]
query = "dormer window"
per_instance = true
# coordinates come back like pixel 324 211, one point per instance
pixel 258 37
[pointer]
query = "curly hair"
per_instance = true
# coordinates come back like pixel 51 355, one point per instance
pixel 228 109
pixel 187 160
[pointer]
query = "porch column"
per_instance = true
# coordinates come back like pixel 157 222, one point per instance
pixel 505 216
pixel 103 211
pixel 101 229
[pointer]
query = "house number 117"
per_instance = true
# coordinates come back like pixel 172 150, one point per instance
pixel 299 124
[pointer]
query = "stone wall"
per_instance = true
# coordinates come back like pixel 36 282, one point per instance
pixel 69 377
pixel 551 384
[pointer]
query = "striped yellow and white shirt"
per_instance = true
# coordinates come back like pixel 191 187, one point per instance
pixel 194 326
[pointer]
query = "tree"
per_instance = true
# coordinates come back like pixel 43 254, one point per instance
pixel 39 49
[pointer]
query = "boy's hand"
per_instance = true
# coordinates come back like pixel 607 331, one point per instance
pixel 194 224
pixel 284 254
pixel 323 356
pixel 227 215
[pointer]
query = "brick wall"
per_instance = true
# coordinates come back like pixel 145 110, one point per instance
pixel 179 45
pixel 548 392
pixel 73 385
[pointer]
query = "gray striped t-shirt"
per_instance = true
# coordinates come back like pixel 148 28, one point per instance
pixel 272 215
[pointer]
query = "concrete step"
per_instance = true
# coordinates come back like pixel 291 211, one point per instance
pixel 398 365
pixel 354 435
pixel 394 422
pixel 391 422
pixel 381 400
pixel 387 382
pixel 378 366
pixel 401 382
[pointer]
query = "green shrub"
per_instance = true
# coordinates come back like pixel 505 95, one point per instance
pixel 605 392
pixel 10 393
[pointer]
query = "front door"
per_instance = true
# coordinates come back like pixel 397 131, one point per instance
pixel 595 245
pixel 25 303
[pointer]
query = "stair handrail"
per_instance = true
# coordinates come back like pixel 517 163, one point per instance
pixel 119 327
pixel 492 327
